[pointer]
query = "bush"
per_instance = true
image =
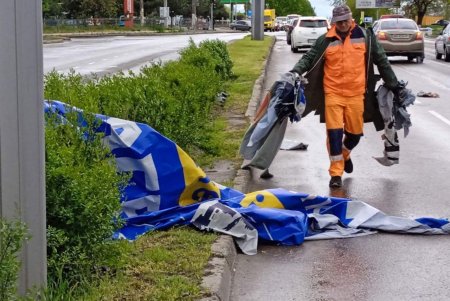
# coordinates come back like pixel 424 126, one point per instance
pixel 12 235
pixel 83 193
pixel 83 188
pixel 176 99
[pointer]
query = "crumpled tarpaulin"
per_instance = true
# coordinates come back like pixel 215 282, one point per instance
pixel 167 188
pixel 285 100
pixel 395 117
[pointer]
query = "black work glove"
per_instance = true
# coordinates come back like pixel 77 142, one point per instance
pixel 403 96
pixel 400 91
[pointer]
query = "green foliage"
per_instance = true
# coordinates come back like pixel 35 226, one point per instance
pixel 176 99
pixel 83 193
pixel 12 235
pixel 286 7
pixel 114 8
pixel 223 62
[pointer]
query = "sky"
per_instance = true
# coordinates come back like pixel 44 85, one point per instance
pixel 321 7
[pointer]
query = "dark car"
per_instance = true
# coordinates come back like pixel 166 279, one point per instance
pixel 241 25
pixel 442 44
pixel 441 22
pixel 290 26
pixel 400 37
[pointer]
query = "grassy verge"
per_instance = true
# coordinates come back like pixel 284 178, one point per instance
pixel 230 124
pixel 169 265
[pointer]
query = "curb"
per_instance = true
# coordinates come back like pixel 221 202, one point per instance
pixel 65 36
pixel 219 271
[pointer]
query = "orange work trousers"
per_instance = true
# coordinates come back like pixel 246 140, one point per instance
pixel 344 121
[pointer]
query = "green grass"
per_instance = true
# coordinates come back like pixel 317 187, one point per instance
pixel 169 265
pixel 248 57
pixel 163 265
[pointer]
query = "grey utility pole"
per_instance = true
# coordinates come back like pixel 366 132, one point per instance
pixel 22 181
pixel 258 20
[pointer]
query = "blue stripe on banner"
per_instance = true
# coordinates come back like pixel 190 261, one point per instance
pixel 433 222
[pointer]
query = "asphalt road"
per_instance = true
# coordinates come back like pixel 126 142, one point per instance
pixel 120 53
pixel 375 267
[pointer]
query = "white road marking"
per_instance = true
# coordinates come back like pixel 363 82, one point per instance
pixel 91 63
pixel 417 101
pixel 439 116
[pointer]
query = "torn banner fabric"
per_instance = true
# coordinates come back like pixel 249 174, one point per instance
pixel 284 101
pixel 167 188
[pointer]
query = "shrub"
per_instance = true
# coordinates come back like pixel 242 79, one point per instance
pixel 176 98
pixel 12 235
pixel 83 193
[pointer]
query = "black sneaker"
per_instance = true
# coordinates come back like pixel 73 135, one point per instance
pixel 348 166
pixel 336 182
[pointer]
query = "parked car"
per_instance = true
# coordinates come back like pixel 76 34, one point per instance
pixel 441 22
pixel 442 44
pixel 400 37
pixel 241 25
pixel 289 27
pixel 306 32
pixel 280 23
pixel 292 16
pixel 391 16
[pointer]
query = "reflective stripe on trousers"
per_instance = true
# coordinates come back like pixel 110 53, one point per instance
pixel 342 115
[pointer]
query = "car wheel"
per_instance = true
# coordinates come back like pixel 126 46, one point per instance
pixel 447 54
pixel 438 55
pixel 419 59
pixel 288 39
pixel 293 49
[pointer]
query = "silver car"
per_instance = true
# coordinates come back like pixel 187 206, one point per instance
pixel 400 37
pixel 442 44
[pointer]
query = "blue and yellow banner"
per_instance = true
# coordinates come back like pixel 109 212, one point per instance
pixel 167 188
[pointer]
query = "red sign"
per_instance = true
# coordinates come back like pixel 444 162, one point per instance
pixel 128 10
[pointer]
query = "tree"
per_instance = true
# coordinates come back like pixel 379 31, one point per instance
pixel 286 7
pixel 418 7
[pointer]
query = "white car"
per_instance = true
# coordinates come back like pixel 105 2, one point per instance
pixel 307 30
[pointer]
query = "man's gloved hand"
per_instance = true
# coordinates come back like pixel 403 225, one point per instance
pixel 400 90
pixel 403 96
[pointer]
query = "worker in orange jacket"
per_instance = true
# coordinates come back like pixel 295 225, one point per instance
pixel 339 67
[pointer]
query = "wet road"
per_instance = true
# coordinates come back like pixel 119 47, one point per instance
pixel 112 54
pixel 375 267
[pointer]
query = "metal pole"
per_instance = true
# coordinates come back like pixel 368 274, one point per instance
pixel 166 12
pixel 211 19
pixel 22 180
pixel 258 20
pixel 142 12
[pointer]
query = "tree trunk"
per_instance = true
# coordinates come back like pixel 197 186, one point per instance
pixel 141 6
pixel 420 15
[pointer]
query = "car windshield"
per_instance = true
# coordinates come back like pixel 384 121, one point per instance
pixel 313 23
pixel 398 24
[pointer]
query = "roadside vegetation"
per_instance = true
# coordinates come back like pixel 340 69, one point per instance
pixel 179 100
